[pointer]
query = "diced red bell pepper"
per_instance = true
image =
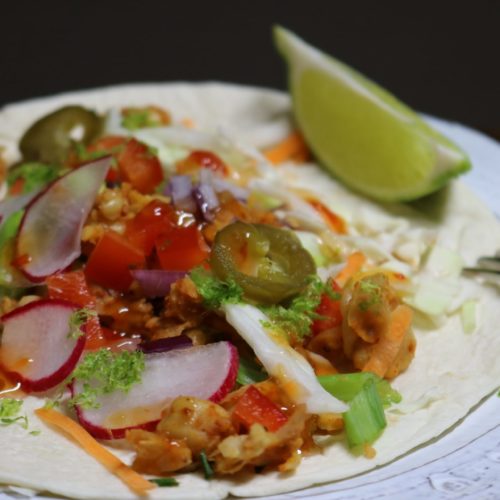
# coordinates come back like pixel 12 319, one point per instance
pixel 182 248
pixel 255 408
pixel 154 220
pixel 139 166
pixel 329 309
pixel 73 287
pixel 202 159
pixel 110 262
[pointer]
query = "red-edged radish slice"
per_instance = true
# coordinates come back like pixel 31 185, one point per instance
pixel 205 372
pixel 49 236
pixel 36 347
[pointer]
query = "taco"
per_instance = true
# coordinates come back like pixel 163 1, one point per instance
pixel 205 307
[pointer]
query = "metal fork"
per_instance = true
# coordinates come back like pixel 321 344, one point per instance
pixel 487 267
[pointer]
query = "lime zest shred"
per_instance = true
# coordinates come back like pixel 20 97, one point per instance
pixel 215 292
pixel 373 291
pixel 296 319
pixel 103 372
pixel 9 412
pixel 77 320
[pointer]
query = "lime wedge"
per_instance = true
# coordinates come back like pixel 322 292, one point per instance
pixel 360 132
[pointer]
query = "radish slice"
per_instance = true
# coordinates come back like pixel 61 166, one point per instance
pixel 36 349
pixel 205 372
pixel 49 236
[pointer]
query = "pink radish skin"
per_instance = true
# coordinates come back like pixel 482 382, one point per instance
pixel 35 348
pixel 205 372
pixel 49 235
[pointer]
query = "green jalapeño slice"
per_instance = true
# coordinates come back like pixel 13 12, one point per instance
pixel 268 263
pixel 50 138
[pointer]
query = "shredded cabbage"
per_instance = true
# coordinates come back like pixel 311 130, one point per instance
pixel 281 361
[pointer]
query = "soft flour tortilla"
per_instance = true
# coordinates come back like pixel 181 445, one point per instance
pixel 451 372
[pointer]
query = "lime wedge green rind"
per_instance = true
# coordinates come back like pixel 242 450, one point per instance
pixel 360 132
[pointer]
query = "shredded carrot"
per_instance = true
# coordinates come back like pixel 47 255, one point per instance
pixel 132 479
pixel 384 352
pixel 334 221
pixel 353 265
pixel 293 147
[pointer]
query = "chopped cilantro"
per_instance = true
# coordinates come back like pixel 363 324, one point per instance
pixel 77 320
pixel 36 432
pixel 103 372
pixel 296 319
pixel 214 291
pixel 34 175
pixel 373 292
pixel 9 410
pixel 207 468
pixel 165 481
pixel 84 155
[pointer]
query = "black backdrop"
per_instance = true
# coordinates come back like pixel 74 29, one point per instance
pixel 439 57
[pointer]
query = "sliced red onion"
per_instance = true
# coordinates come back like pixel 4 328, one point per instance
pixel 164 345
pixel 49 237
pixel 207 200
pixel 181 192
pixel 206 176
pixel 156 282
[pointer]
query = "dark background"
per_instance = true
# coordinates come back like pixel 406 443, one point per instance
pixel 439 57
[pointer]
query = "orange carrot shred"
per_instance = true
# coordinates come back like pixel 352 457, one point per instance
pixel 334 221
pixel 293 147
pixel 384 352
pixel 132 479
pixel 353 265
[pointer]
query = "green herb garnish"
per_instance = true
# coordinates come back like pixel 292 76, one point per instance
pixel 103 372
pixel 215 292
pixel 33 174
pixel 9 412
pixel 136 118
pixel 9 227
pixel 165 481
pixel 77 320
pixel 373 293
pixel 249 372
pixel 207 468
pixel 296 319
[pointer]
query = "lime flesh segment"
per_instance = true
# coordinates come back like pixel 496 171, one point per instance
pixel 361 133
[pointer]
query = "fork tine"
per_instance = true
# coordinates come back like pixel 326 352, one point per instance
pixel 492 263
pixel 490 275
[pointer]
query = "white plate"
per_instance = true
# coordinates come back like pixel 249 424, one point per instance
pixel 465 462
